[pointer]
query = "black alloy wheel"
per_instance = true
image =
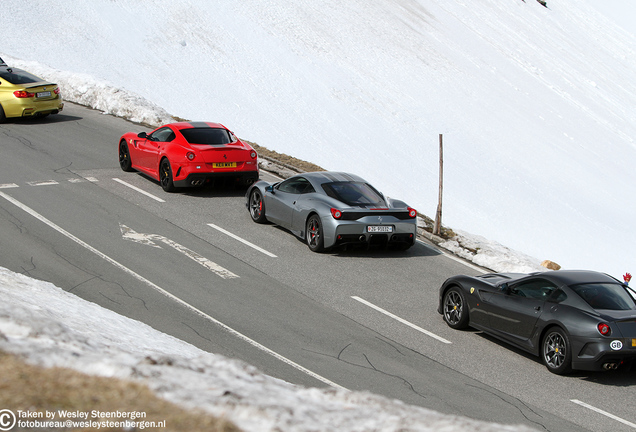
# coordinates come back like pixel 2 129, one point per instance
pixel 555 351
pixel 313 234
pixel 455 309
pixel 124 157
pixel 165 175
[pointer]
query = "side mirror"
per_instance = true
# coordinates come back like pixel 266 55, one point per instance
pixel 504 288
pixel 269 189
pixel 142 135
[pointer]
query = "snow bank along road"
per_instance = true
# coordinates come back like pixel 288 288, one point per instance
pixel 193 265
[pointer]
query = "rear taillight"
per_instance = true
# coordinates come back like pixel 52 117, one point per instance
pixel 412 212
pixel 21 94
pixel 57 90
pixel 337 214
pixel 190 156
pixel 604 329
pixel 253 155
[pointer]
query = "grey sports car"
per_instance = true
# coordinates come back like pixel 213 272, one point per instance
pixel 572 319
pixel 330 209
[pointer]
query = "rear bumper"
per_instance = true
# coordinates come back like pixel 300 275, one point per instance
pixel 366 240
pixel 30 108
pixel 201 178
pixel 355 233
pixel 598 355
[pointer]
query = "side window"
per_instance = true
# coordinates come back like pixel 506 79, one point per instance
pixel 539 289
pixel 298 185
pixel 162 135
pixel 558 296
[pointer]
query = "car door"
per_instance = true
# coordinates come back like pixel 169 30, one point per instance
pixel 301 206
pixel 148 148
pixel 280 201
pixel 515 309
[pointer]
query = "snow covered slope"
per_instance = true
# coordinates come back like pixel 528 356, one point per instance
pixel 536 105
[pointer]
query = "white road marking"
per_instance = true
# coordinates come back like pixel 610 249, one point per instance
pixel 234 236
pixel 8 185
pixel 82 180
pixel 42 183
pixel 402 320
pixel 605 413
pixel 167 294
pixel 139 190
pixel 454 258
pixel 147 239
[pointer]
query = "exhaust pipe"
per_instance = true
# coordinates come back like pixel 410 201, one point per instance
pixel 610 366
pixel 362 238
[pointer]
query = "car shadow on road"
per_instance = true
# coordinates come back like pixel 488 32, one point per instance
pixel 216 189
pixel 39 120
pixel 619 378
pixel 385 252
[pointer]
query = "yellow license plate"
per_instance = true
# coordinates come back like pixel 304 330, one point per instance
pixel 634 342
pixel 224 165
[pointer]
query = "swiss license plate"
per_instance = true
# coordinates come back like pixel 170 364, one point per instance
pixel 380 228
pixel 43 94
pixel 224 165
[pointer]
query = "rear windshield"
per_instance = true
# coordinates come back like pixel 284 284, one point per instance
pixel 354 193
pixel 18 76
pixel 605 296
pixel 210 136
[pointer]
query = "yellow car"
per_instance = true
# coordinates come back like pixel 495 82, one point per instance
pixel 24 95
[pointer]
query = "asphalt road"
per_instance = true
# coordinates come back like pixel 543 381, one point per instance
pixel 193 265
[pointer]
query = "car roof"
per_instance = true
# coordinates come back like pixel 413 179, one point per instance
pixel 196 124
pixel 573 277
pixel 320 177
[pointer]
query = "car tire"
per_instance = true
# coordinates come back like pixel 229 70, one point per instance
pixel 556 352
pixel 455 308
pixel 3 117
pixel 124 157
pixel 314 234
pixel 165 176
pixel 257 206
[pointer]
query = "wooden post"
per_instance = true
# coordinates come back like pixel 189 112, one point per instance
pixel 437 228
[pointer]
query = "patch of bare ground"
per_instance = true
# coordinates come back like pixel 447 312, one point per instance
pixel 40 390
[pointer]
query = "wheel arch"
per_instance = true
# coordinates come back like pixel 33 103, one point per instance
pixel 310 213
pixel 444 290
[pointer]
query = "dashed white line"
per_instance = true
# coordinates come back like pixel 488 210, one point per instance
pixel 402 320
pixel 168 294
pixel 8 185
pixel 234 236
pixel 605 413
pixel 42 183
pixel 82 180
pixel 139 190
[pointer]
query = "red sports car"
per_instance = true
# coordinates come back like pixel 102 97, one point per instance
pixel 188 154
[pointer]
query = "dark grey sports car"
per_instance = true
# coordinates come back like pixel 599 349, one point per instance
pixel 571 319
pixel 329 209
